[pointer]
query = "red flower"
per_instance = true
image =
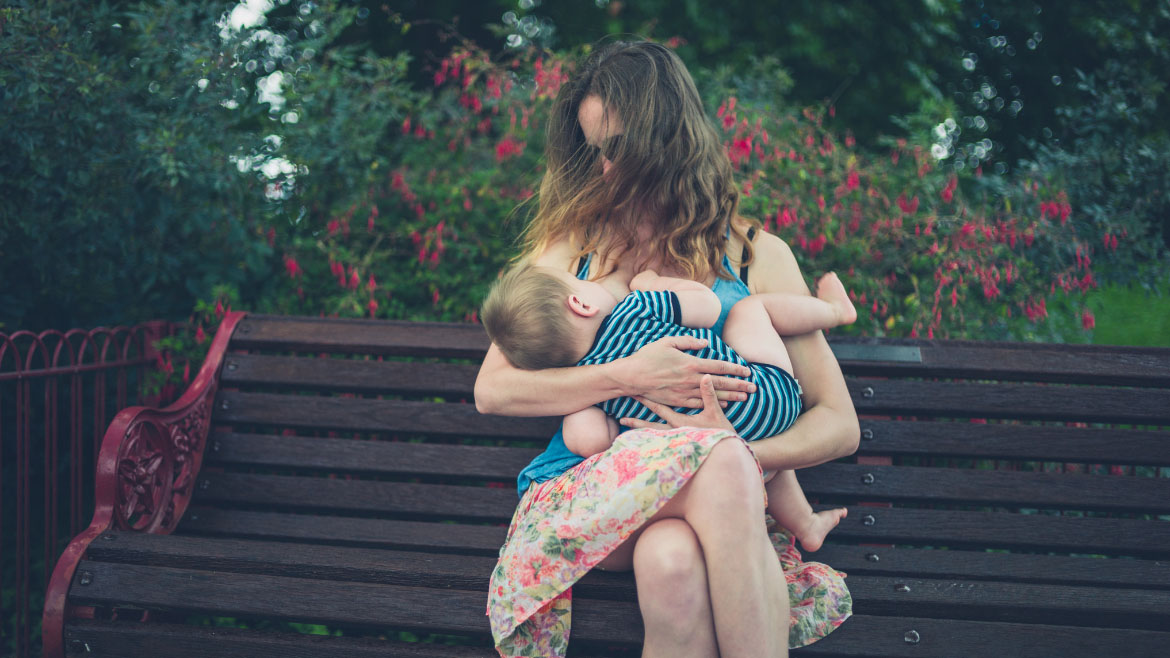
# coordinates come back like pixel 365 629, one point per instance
pixel 199 335
pixel 852 181
pixel 908 207
pixel 1087 320
pixel 508 147
pixel 292 267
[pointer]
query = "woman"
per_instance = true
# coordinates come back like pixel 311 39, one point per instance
pixel 637 178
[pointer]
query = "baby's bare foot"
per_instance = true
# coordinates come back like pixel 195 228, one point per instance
pixel 831 290
pixel 813 534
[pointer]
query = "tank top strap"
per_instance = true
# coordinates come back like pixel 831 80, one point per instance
pixel 583 266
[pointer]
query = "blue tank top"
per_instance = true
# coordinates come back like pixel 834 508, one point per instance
pixel 557 458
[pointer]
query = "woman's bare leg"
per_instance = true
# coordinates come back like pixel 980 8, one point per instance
pixel 672 592
pixel 724 505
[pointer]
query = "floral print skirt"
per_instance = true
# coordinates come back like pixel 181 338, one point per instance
pixel 565 526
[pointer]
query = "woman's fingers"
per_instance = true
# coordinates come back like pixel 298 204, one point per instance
pixel 711 416
pixel 639 424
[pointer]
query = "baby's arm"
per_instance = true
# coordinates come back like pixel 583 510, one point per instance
pixel 589 431
pixel 699 305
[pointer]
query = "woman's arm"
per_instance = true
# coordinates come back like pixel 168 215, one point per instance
pixel 698 304
pixel 661 371
pixel 828 428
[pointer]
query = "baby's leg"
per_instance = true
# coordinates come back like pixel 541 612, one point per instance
pixel 792 315
pixel 589 432
pixel 749 331
pixel 787 504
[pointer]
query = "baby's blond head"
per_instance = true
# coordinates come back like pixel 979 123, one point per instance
pixel 526 316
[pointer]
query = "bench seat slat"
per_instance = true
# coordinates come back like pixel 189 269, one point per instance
pixel 365 415
pixel 355 336
pixel 326 601
pixel 1122 366
pixel 861 635
pixel 832 481
pixel 969 529
pixel 107 639
pixel 383 533
pixel 370 496
pixel 358 456
pixel 349 375
pixel 464 571
pixel 996 441
pixel 985 487
pixel 998 530
pixel 1098 404
pixel 1028 442
pixel 892 525
pixel 983 565
pixel 1074 364
pixel 928 398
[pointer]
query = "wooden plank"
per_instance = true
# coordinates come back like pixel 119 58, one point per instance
pixel 1000 530
pixel 1049 362
pixel 366 456
pixel 1091 404
pixel 461 612
pixel 344 530
pixel 345 335
pixel 861 635
pixel 879 437
pixel 106 639
pixel 1124 366
pixel 954 528
pixel 350 414
pixel 984 565
pixel 103 639
pixel 425 569
pixel 1028 442
pixel 368 496
pixel 916 637
pixel 997 601
pixel 323 602
pixel 349 375
pixel 1110 365
pixel 335 563
pixel 1115 493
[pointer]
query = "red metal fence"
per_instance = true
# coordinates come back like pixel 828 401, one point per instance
pixel 58 392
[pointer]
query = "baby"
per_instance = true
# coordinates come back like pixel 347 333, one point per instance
pixel 543 318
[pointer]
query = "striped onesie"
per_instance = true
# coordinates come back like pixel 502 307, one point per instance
pixel 643 317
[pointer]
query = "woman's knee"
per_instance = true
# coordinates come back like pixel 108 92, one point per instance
pixel 730 475
pixel 671 574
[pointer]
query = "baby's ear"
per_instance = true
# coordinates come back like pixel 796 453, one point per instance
pixel 581 307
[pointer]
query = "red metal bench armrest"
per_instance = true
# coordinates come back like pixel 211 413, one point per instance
pixel 146 470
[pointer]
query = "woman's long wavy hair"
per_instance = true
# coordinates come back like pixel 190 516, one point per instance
pixel 669 171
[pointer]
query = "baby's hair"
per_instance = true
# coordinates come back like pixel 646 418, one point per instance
pixel 526 317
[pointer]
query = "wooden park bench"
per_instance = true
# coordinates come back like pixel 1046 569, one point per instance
pixel 327 488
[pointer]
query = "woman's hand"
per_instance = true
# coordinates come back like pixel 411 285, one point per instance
pixel 663 373
pixel 712 416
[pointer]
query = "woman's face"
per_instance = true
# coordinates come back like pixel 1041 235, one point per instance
pixel 600 127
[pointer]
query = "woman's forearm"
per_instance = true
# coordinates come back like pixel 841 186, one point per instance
pixel 828 428
pixel 502 389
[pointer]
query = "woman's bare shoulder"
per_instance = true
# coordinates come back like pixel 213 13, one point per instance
pixel 774 268
pixel 559 255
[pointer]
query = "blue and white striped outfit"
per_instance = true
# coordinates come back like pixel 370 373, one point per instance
pixel 644 317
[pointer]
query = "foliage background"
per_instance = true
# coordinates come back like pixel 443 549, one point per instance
pixel 373 159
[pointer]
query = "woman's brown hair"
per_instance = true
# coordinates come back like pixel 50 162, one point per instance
pixel 669 169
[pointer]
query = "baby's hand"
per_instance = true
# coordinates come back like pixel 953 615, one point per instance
pixel 644 280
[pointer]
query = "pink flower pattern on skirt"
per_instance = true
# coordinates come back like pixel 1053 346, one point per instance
pixel 565 526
